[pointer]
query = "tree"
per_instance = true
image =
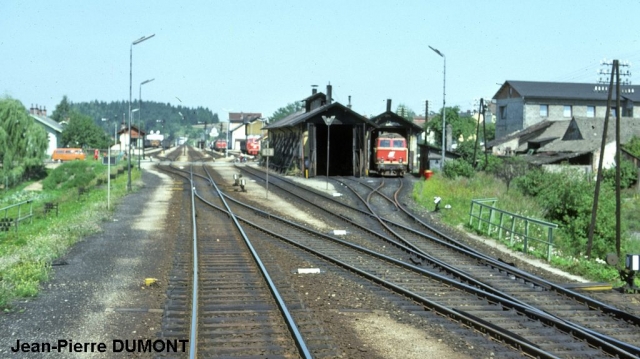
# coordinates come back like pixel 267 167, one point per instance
pixel 404 111
pixel 510 168
pixel 83 132
pixel 62 111
pixel 283 112
pixel 633 146
pixel 22 143
pixel 461 126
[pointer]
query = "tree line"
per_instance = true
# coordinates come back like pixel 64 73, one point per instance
pixel 91 124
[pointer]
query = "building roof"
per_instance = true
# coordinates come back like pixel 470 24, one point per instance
pixel 565 90
pixel 46 121
pixel 584 134
pixel 529 132
pixel 134 131
pixel 239 117
pixel 390 119
pixel 579 135
pixel 301 116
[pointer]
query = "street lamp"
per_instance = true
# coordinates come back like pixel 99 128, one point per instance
pixel 132 112
pixel 130 95
pixel 140 118
pixel 328 121
pixel 444 78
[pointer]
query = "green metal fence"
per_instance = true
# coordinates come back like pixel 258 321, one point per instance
pixel 11 216
pixel 491 220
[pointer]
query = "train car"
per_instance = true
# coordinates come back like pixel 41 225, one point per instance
pixel 219 145
pixel 252 146
pixel 391 155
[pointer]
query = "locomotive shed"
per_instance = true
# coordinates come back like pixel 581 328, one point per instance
pixel 302 140
pixel 391 122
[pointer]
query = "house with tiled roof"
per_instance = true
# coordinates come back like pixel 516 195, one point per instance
pixel 53 129
pixel 522 104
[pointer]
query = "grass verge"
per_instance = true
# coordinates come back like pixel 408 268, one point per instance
pixel 459 192
pixel 26 255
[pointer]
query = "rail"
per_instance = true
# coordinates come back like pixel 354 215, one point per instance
pixel 510 224
pixel 12 215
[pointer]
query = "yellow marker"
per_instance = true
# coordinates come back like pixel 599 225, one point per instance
pixel 150 281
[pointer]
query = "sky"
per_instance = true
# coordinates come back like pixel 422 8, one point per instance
pixel 258 56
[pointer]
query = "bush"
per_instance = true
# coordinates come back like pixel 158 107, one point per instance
pixel 568 200
pixel 71 174
pixel 628 175
pixel 458 167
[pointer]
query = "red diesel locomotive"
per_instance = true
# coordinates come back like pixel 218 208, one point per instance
pixel 391 155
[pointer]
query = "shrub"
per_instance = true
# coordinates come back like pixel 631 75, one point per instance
pixel 71 174
pixel 458 167
pixel 628 175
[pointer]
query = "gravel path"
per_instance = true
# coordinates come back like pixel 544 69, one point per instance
pixel 97 294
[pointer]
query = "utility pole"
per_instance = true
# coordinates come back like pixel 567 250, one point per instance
pixel 615 71
pixel 481 110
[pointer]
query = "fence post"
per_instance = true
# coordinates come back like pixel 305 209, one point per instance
pixel 30 212
pixel 513 227
pixel 526 236
pixel 480 216
pixel 500 230
pixel 550 246
pixel 491 212
pixel 471 214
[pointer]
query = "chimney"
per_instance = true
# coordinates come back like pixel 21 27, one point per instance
pixel 426 111
pixel 314 89
pixel 45 111
pixel 329 99
pixel 349 105
pixel 388 105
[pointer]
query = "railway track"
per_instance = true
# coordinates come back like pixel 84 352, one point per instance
pixel 591 315
pixel 236 311
pixel 508 279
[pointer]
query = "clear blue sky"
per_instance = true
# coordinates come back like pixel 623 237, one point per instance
pixel 257 56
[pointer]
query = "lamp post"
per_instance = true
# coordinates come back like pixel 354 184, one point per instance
pixel 115 137
pixel 444 79
pixel 130 95
pixel 140 117
pixel 328 121
pixel 129 150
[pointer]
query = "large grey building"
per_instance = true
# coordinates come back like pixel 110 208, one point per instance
pixel 521 104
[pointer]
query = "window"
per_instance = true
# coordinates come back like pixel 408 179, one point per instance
pixel 503 112
pixel 613 112
pixel 567 111
pixel 544 110
pixel 398 144
pixel 591 111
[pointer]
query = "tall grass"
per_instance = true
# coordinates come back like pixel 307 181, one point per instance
pixel 459 192
pixel 26 255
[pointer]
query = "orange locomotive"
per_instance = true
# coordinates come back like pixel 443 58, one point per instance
pixel 391 154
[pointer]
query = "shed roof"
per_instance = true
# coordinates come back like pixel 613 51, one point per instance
pixel 587 134
pixel 390 119
pixel 315 116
